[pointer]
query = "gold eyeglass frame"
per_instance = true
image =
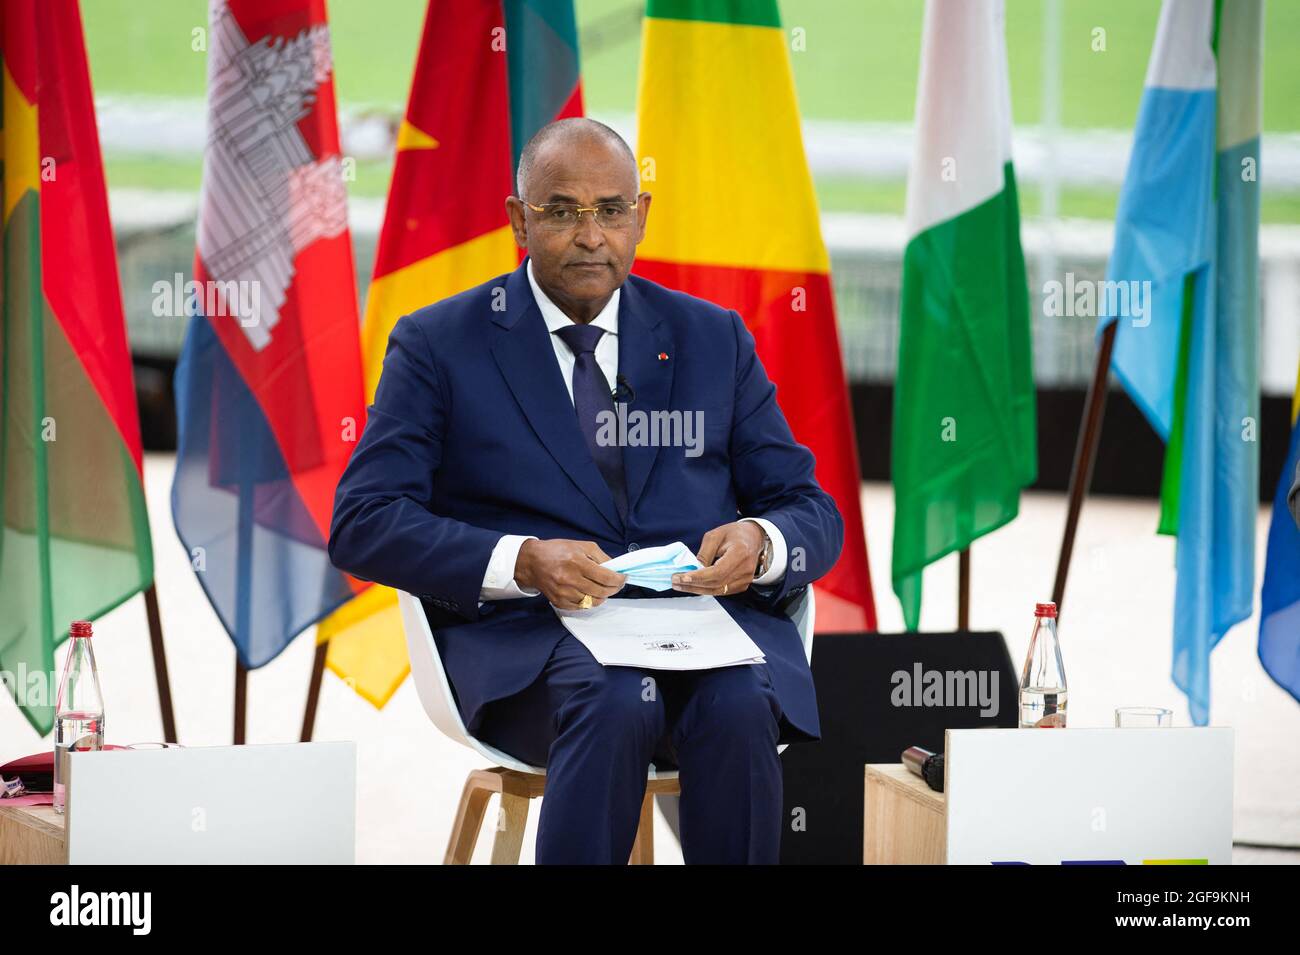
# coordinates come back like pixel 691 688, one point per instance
pixel 579 209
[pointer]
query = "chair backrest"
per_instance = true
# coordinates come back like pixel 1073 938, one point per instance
pixel 434 688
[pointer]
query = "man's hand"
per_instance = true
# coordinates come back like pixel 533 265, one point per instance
pixel 730 556
pixel 565 571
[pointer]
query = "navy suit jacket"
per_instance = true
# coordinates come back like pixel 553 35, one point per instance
pixel 472 435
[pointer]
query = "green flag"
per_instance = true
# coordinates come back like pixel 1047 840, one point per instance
pixel 74 535
pixel 964 416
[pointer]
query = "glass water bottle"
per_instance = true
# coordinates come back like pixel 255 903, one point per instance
pixel 79 712
pixel 1043 692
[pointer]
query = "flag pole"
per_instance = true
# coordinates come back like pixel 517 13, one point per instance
pixel 313 692
pixel 1085 454
pixel 963 589
pixel 243 596
pixel 241 699
pixel 160 664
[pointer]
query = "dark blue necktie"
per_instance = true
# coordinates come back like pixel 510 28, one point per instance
pixel 590 397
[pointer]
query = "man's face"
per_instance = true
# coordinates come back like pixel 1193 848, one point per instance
pixel 579 266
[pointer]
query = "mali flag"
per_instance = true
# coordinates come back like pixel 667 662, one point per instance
pixel 74 539
pixel 964 412
pixel 446 229
pixel 735 222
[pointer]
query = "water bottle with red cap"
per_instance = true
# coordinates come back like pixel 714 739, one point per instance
pixel 79 712
pixel 1043 691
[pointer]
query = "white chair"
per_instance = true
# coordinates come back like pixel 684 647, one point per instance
pixel 516 781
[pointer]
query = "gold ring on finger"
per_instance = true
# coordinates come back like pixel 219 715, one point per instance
pixel 724 588
pixel 585 603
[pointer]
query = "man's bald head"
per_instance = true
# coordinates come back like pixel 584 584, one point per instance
pixel 564 134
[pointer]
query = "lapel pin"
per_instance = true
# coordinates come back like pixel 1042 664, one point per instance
pixel 663 356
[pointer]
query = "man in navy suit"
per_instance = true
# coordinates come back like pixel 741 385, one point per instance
pixel 482 485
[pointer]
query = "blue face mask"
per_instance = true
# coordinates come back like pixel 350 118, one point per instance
pixel 653 567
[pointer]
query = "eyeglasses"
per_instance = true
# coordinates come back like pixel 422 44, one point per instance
pixel 562 216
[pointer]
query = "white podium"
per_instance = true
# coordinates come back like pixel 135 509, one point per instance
pixel 215 805
pixel 1058 797
pixel 1089 796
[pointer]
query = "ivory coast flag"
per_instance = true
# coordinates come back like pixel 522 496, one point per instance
pixel 74 535
pixel 488 76
pixel 964 417
pixel 735 221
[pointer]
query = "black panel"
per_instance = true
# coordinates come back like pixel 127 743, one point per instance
pixel 854 674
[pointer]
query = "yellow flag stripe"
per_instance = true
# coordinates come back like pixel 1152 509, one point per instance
pixel 22 145
pixel 425 282
pixel 721 149
pixel 367 645
pixel 369 601
pixel 1295 402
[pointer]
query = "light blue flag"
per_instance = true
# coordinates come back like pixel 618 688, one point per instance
pixel 1188 223
pixel 1216 538
pixel 1164 227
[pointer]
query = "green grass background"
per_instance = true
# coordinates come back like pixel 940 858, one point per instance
pixel 860 63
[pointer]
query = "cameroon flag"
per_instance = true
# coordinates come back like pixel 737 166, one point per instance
pixel 489 75
pixel 74 540
pixel 735 221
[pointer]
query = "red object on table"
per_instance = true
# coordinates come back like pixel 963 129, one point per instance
pixel 37 764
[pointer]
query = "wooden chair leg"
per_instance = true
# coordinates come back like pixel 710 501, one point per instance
pixel 469 820
pixel 513 821
pixel 517 789
pixel 643 849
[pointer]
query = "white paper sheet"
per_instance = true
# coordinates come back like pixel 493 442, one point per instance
pixel 679 633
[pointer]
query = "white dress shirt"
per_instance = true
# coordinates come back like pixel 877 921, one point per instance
pixel 498 581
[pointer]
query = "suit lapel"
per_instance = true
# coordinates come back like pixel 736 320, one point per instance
pixel 526 357
pixel 642 338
